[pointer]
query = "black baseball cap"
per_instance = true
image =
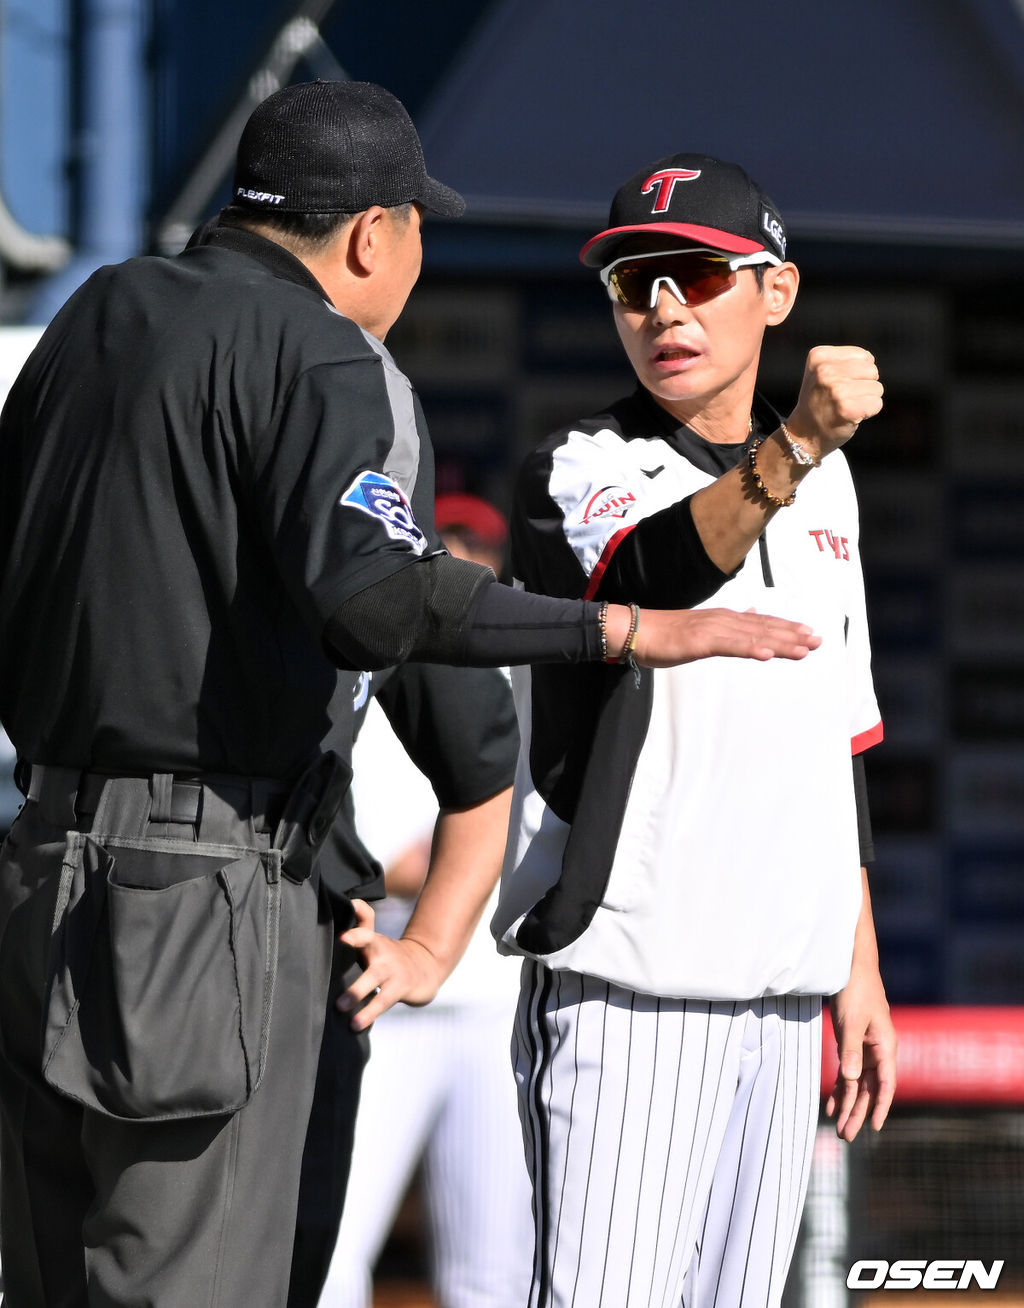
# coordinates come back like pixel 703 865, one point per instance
pixel 335 147
pixel 694 199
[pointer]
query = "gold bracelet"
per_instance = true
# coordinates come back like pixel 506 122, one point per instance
pixel 634 626
pixel 602 622
pixel 803 457
pixel 628 655
pixel 755 477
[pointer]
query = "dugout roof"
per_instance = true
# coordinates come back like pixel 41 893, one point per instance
pixel 872 121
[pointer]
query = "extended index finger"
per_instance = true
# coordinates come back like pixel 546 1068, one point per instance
pixel 360 934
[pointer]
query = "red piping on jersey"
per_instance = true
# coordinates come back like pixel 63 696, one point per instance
pixel 606 557
pixel 866 739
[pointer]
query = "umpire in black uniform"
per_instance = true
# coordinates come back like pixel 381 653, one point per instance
pixel 215 491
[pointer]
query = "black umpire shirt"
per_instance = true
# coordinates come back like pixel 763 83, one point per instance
pixel 199 462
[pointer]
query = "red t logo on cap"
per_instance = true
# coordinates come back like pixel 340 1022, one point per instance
pixel 665 181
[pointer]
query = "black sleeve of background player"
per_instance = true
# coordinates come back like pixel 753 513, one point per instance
pixel 446 610
pixel 662 563
pixel 347 868
pixel 458 725
pixel 864 832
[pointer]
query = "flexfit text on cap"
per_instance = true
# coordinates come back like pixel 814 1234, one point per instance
pixel 692 199
pixel 335 147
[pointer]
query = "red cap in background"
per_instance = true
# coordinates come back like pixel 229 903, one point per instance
pixel 473 515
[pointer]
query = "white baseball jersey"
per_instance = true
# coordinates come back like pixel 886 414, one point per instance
pixel 695 836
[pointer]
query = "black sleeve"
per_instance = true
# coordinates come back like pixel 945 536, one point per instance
pixel 347 868
pixel 446 610
pixel 458 725
pixel 515 626
pixel 864 832
pixel 319 487
pixel 662 563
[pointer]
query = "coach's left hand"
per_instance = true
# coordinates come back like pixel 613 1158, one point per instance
pixel 866 1080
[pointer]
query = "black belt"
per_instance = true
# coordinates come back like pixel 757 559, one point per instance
pixel 297 815
pixel 67 795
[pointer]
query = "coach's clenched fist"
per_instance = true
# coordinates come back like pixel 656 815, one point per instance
pixel 840 388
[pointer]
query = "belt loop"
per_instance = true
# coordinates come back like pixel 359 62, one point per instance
pixel 161 788
pixel 259 802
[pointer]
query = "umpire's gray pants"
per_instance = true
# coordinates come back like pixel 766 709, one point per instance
pixel 168 1214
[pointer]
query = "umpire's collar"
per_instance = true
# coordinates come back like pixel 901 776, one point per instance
pixel 272 256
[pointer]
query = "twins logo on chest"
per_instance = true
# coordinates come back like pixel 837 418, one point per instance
pixel 609 502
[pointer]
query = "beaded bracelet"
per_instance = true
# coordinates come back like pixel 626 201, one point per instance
pixel 803 457
pixel 755 477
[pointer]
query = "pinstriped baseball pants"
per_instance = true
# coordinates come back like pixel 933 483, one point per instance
pixel 668 1141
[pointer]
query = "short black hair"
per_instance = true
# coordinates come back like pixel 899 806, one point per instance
pixel 305 232
pixel 312 231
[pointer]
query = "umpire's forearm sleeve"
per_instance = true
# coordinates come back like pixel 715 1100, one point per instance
pixel 447 610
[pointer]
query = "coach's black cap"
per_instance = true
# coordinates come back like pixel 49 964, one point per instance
pixel 335 147
pixel 696 199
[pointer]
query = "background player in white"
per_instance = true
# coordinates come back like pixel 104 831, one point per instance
pixel 436 1087
pixel 684 872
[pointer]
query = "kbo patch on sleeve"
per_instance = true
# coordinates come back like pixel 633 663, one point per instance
pixel 377 495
